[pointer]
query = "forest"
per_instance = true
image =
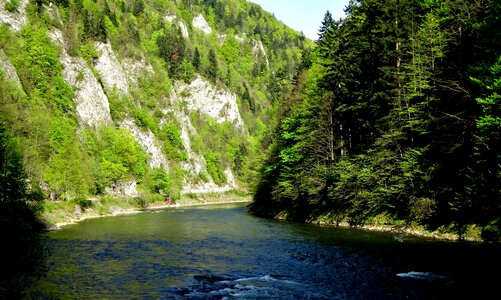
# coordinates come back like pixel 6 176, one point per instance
pixel 56 155
pixel 391 117
pixel 395 119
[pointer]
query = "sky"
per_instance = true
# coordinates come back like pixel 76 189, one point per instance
pixel 304 15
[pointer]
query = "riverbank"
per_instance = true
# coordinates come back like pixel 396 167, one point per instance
pixel 59 214
pixel 405 230
pixel 73 212
pixel 472 232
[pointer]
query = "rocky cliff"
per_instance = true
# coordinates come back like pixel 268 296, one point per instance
pixel 137 97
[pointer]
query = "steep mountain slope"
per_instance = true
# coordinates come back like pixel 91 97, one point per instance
pixel 396 120
pixel 148 99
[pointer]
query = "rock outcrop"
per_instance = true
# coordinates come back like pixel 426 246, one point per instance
pixel 91 102
pixel 184 30
pixel 200 23
pixel 110 69
pixel 196 164
pixel 93 109
pixel 148 143
pixel 15 19
pixel 8 68
pixel 201 95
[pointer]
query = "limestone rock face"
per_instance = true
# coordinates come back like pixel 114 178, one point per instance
pixel 110 69
pixel 201 95
pixel 8 67
pixel 258 49
pixel 16 19
pixel 134 69
pixel 149 143
pixel 91 102
pixel 184 30
pixel 123 76
pixel 123 189
pixel 199 22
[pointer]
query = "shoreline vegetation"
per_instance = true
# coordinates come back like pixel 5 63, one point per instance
pixel 405 230
pixel 107 207
pixel 56 215
pixel 399 227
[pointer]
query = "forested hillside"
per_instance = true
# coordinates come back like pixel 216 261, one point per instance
pixel 395 119
pixel 106 103
pixel 138 98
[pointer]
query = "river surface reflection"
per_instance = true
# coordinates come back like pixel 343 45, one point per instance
pixel 222 252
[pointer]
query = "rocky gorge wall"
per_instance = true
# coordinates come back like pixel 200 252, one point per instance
pixel 92 83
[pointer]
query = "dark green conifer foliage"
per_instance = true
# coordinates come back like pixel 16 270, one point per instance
pixel 196 59
pixel 213 65
pixel 389 125
pixel 327 23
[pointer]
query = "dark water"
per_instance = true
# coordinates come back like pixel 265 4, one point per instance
pixel 221 252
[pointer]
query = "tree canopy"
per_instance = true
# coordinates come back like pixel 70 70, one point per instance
pixel 396 120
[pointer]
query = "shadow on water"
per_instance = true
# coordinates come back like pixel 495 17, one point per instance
pixel 225 253
pixel 23 258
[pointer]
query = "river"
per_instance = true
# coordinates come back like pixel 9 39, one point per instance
pixel 222 252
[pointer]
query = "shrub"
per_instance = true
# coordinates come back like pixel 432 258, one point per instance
pixel 492 231
pixel 12 6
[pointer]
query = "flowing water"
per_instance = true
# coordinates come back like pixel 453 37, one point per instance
pixel 222 252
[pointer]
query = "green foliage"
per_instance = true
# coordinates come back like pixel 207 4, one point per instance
pixel 212 70
pixel 371 133
pixel 492 231
pixel 144 119
pixel 230 50
pixel 196 59
pixel 215 168
pixel 173 145
pixel 116 155
pixel 490 119
pixel 40 71
pixel 68 173
pixel 186 71
pixel 160 181
pixel 72 162
pixel 88 52
pixel 23 259
pixel 12 5
pixel 172 49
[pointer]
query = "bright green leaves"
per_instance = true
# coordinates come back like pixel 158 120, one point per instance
pixel 173 145
pixel 215 168
pixel 230 49
pixel 12 5
pixel 122 157
pixel 116 156
pixel 144 120
pixel 383 125
pixel 160 181
pixel 41 72
pixel 61 130
pixel 69 174
pixel 12 176
pixel 490 119
pixel 23 255
pixel 291 153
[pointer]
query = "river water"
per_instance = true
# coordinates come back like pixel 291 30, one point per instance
pixel 222 252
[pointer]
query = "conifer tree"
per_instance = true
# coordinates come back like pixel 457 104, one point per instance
pixel 196 59
pixel 213 65
pixel 327 24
